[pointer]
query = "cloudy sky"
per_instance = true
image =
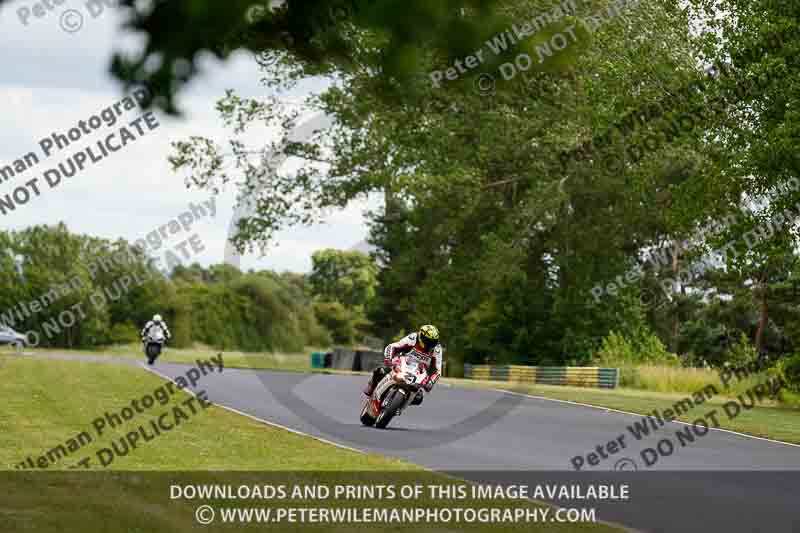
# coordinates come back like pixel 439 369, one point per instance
pixel 52 78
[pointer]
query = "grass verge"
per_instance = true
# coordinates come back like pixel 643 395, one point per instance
pixel 47 403
pixel 296 362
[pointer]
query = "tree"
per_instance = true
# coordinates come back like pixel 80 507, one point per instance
pixel 489 233
pixel 758 152
pixel 316 34
pixel 347 277
pixel 478 233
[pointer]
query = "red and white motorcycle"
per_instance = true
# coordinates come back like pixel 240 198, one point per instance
pixel 395 392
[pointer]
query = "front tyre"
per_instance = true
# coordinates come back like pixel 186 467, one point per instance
pixel 153 351
pixel 386 415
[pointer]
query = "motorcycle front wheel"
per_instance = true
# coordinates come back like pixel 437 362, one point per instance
pixel 152 350
pixel 395 402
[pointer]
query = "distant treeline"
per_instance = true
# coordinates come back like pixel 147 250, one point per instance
pixel 77 291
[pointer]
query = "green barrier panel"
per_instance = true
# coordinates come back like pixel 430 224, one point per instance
pixel 318 360
pixel 608 377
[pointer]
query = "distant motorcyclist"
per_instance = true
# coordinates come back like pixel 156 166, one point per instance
pixel 156 322
pixel 426 343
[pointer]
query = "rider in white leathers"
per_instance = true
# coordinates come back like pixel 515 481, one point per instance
pixel 157 321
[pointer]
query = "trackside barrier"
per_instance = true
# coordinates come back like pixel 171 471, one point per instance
pixel 576 376
pixel 318 360
pixel 343 359
pixel 367 360
pixel 357 360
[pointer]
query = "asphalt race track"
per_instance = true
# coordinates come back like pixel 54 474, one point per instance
pixel 486 435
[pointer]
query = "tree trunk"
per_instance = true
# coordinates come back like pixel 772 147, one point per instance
pixel 762 322
pixel 675 318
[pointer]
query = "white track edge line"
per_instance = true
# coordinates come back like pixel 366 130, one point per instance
pixel 639 414
pixel 267 422
pixel 325 441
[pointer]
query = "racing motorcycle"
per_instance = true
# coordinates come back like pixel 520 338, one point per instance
pixel 396 391
pixel 153 344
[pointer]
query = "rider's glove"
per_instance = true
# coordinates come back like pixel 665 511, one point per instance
pixel 429 382
pixel 426 384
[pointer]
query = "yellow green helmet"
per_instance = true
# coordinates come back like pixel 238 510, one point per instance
pixel 428 336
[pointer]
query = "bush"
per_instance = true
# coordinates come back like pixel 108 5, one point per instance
pixel 340 321
pixel 741 353
pixel 789 370
pixel 254 312
pixel 125 333
pixel 615 350
pixel 789 398
pixel 620 351
pixel 316 334
pixel 181 328
pixel 653 351
pixel 629 377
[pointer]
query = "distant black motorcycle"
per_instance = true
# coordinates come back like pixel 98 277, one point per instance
pixel 153 344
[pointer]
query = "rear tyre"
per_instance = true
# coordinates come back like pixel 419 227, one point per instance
pixel 366 419
pixel 396 401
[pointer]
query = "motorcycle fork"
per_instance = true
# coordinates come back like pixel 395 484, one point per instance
pixel 409 398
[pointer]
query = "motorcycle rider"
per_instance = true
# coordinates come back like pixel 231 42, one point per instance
pixel 157 321
pixel 426 342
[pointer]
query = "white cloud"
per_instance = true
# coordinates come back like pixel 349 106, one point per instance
pixel 51 79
